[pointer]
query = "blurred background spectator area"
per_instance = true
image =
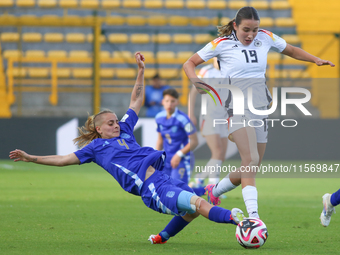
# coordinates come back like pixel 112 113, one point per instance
pixel 74 57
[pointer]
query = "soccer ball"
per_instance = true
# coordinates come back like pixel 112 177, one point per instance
pixel 251 233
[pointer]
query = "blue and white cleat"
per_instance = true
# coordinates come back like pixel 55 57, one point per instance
pixel 327 211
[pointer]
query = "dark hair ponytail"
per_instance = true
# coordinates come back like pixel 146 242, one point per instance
pixel 247 12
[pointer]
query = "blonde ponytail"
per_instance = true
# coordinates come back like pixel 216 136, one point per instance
pixel 88 132
pixel 226 29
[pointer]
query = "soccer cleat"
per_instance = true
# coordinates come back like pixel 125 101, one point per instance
pixel 156 239
pixel 327 211
pixel 211 198
pixel 237 215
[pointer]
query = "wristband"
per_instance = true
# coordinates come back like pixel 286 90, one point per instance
pixel 180 153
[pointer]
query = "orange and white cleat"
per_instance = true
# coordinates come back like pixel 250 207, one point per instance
pixel 156 239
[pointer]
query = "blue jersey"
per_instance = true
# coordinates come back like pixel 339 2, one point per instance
pixel 175 132
pixel 122 156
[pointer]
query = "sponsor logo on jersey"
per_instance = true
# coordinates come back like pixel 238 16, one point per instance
pixel 106 142
pixel 125 135
pixel 174 129
pixel 235 46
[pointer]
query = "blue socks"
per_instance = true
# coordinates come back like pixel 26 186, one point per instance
pixel 174 226
pixel 199 191
pixel 335 198
pixel 220 215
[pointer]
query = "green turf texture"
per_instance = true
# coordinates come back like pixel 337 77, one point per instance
pixel 83 210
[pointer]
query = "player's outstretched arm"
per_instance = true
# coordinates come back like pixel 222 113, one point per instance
pixel 189 69
pixel 53 160
pixel 300 54
pixel 137 94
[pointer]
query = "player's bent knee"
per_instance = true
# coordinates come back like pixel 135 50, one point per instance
pixel 184 202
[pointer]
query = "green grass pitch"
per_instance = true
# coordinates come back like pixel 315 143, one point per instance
pixel 82 210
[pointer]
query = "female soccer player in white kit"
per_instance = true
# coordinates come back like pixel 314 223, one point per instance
pixel 242 50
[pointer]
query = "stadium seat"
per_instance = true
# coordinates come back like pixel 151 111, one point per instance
pixel 54 37
pixel 12 53
pixel 75 38
pixel 149 56
pixel 38 72
pixel 157 20
pixel 6 3
pixel 235 5
pixel 220 22
pixel 183 56
pixel 51 19
pixel 273 56
pixel 110 4
pixel 126 73
pixel 195 4
pixel 153 4
pixel 47 3
pixel 90 4
pixel 140 38
pixel 115 20
pixel 10 37
pixel 217 4
pixel 135 20
pixel 200 21
pixel 137 4
pixel 68 3
pixel 291 39
pixel 18 72
pixel 25 3
pixel 118 38
pixel 26 19
pixel 266 22
pixel 31 37
pixel 260 5
pixel 161 38
pixel 182 38
pixel 178 21
pixel 63 73
pixel 105 55
pixel 107 73
pixel 279 5
pixel 165 57
pixel 284 22
pixel 122 56
pixel 174 4
pixel 79 54
pixel 298 74
pixel 82 73
pixel 169 73
pixel 203 38
pixel 149 73
pixel 35 53
pixel 57 54
pixel 89 38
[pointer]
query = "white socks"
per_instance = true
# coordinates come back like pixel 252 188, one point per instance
pixel 223 186
pixel 250 199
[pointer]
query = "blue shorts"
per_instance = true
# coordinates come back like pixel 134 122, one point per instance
pixel 160 193
pixel 182 171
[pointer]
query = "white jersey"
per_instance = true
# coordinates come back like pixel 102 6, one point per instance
pixel 212 76
pixel 245 66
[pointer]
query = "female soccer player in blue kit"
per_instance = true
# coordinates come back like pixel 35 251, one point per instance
pixel 177 136
pixel 110 143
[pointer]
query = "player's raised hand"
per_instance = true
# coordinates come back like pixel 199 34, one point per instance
pixel 19 155
pixel 321 62
pixel 140 60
